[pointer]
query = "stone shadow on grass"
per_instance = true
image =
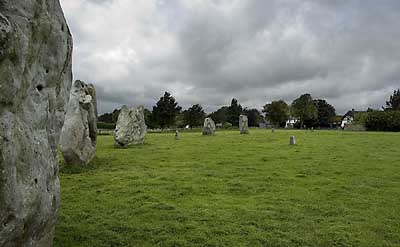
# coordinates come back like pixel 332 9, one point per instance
pixel 94 165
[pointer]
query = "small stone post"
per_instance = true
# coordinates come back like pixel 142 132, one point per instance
pixel 292 140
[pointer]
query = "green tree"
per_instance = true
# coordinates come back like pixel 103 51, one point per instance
pixel 233 112
pixel 394 102
pixel 254 117
pixel 105 118
pixel 194 116
pixel 165 111
pixel 149 119
pixel 115 115
pixel 305 109
pixel 325 113
pixel 220 115
pixel 277 112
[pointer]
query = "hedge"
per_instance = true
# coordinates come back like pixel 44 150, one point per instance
pixel 106 126
pixel 383 121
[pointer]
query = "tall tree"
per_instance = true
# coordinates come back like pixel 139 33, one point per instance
pixel 394 102
pixel 305 109
pixel 234 111
pixel 149 119
pixel 277 112
pixel 194 116
pixel 115 115
pixel 165 111
pixel 325 113
pixel 254 117
pixel 220 115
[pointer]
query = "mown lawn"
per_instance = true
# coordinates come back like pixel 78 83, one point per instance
pixel 332 189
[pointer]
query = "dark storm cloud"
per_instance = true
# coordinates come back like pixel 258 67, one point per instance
pixel 210 51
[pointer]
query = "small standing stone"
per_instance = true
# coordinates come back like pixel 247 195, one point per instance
pixel 176 135
pixel 273 130
pixel 292 140
pixel 243 124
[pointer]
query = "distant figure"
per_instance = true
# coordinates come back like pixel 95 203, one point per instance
pixel 292 140
pixel 273 130
pixel 176 135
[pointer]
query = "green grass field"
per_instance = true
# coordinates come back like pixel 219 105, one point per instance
pixel 332 189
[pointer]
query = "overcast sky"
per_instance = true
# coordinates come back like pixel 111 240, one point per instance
pixel 209 51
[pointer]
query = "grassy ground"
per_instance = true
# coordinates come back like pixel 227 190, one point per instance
pixel 332 189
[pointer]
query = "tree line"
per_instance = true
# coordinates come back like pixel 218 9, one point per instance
pixel 307 112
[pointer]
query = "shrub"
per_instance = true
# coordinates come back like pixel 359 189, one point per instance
pixel 383 121
pixel 106 126
pixel 227 125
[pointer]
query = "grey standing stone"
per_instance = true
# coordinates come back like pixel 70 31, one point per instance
pixel 209 127
pixel 176 135
pixel 292 140
pixel 243 124
pixel 131 127
pixel 79 133
pixel 35 77
pixel 273 130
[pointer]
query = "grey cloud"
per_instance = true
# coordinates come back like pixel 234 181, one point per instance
pixel 256 51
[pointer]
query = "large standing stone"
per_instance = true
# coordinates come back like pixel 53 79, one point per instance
pixel 78 135
pixel 209 127
pixel 131 127
pixel 243 124
pixel 35 77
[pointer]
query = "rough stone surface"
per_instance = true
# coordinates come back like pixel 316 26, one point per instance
pixel 79 133
pixel 35 77
pixel 292 140
pixel 209 127
pixel 131 127
pixel 243 124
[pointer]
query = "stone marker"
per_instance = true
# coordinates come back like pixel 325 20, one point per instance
pixel 273 130
pixel 243 124
pixel 292 140
pixel 209 127
pixel 176 135
pixel 131 127
pixel 35 77
pixel 79 133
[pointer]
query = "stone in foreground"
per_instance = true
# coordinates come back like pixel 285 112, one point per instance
pixel 79 133
pixel 209 127
pixel 131 127
pixel 35 77
pixel 243 124
pixel 292 140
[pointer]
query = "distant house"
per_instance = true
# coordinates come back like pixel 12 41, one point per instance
pixel 353 118
pixel 346 121
pixel 291 122
pixel 264 124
